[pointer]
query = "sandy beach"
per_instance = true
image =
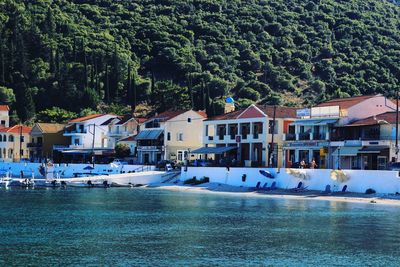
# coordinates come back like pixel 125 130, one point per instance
pixel 215 188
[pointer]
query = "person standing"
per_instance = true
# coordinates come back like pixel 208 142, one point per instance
pixel 313 164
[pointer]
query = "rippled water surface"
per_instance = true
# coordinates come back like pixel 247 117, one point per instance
pixel 152 227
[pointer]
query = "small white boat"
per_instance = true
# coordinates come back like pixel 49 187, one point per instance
pixel 5 181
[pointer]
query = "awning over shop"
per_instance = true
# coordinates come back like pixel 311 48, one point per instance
pixel 372 149
pixel 149 135
pixel 346 151
pixel 213 150
pixel 307 122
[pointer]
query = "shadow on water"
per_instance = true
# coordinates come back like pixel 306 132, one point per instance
pixel 126 227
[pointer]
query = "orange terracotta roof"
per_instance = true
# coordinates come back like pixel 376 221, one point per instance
pixel 167 115
pixel 128 139
pixel 141 120
pixel 347 102
pixel 16 129
pixel 389 117
pixel 202 113
pixel 4 108
pixel 86 118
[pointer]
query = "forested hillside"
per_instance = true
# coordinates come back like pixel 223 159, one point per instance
pixel 102 55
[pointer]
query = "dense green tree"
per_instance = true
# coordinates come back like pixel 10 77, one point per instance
pixel 106 55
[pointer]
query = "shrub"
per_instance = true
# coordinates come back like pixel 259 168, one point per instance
pixel 370 191
pixel 194 181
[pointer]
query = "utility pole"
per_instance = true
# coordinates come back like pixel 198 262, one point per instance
pixel 20 143
pixel 94 134
pixel 271 149
pixel 397 126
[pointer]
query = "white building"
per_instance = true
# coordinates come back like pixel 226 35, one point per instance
pixel 315 133
pixel 245 136
pixel 4 116
pixel 87 134
pixel 121 128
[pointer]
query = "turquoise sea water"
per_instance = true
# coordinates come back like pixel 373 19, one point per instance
pixel 152 227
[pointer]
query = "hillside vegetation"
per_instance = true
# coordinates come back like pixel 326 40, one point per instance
pixel 103 55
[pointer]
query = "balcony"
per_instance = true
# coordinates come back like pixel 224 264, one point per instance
pixel 304 136
pixel 290 137
pixel 320 136
pixel 34 145
pixel 150 148
pixel 74 132
pixel 118 133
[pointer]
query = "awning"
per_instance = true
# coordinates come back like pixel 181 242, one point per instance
pixel 372 149
pixel 213 150
pixel 314 121
pixel 149 135
pixel 346 151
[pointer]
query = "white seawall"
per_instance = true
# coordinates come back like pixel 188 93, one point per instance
pixel 384 182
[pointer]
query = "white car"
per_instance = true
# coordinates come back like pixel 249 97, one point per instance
pixel 119 162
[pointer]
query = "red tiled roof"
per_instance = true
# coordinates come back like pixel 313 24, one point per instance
pixel 86 118
pixel 252 112
pixel 389 117
pixel 4 108
pixel 347 102
pixel 167 115
pixel 128 139
pixel 141 120
pixel 16 129
pixel 202 113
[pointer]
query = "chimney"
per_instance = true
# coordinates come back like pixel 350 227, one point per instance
pixel 229 105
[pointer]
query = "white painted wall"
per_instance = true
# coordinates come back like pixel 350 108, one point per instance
pixel 384 182
pixel 67 170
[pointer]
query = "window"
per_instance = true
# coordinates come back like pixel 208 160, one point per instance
pixel 1 138
pixel 21 152
pixel 271 125
pixel 179 137
pixel 40 140
pixel 76 141
pixel 11 138
pixel 168 136
pixel 3 122
pixel 189 120
pixel 22 139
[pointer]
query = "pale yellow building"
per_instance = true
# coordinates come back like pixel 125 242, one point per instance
pixel 44 136
pixel 13 143
pixel 170 135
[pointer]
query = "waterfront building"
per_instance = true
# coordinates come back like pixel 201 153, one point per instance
pixel 244 137
pixel 87 135
pixel 4 116
pixel 367 144
pixel 131 142
pixel 13 143
pixel 123 127
pixel 170 135
pixel 311 135
pixel 43 137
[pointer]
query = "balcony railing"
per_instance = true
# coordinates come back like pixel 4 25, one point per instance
pixel 319 136
pixel 75 132
pixel 34 145
pixel 150 148
pixel 304 136
pixel 290 137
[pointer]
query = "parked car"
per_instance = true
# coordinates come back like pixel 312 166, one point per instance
pixel 119 162
pixel 394 166
pixel 161 164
